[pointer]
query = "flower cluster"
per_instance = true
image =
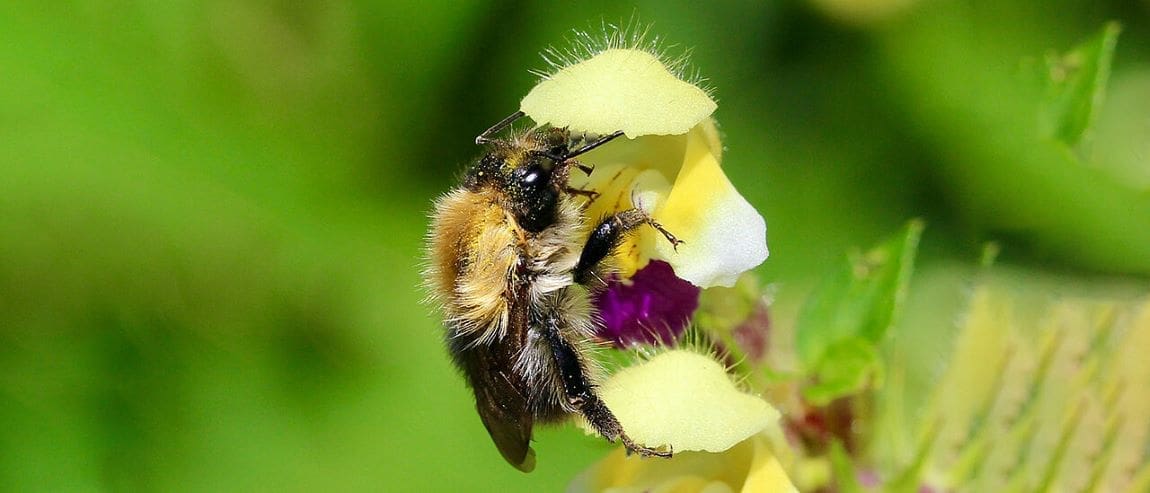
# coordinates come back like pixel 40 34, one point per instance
pixel 669 166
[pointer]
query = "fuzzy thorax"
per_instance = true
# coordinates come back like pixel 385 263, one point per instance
pixel 482 262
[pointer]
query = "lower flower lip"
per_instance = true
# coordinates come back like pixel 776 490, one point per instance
pixel 685 400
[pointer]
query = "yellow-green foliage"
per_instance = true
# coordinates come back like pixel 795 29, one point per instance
pixel 1044 396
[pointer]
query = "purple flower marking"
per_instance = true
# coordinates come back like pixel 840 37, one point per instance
pixel 652 307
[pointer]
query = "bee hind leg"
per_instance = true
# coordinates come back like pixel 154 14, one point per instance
pixel 581 392
pixel 607 425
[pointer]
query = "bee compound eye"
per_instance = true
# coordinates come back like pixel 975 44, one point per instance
pixel 535 177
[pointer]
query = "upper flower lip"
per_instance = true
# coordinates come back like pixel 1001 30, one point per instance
pixel 619 89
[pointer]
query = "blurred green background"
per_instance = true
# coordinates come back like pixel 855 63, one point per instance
pixel 211 212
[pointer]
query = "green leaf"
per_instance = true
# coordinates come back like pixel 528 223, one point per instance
pixel 911 479
pixel 844 321
pixel 857 303
pixel 1075 86
pixel 843 466
pixel 846 369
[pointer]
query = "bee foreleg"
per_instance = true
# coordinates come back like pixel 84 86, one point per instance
pixel 608 234
pixel 581 394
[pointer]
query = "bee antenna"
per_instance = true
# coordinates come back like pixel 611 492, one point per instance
pixel 598 142
pixel 485 137
pixel 550 155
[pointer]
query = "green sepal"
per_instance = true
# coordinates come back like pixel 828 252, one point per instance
pixel 1075 86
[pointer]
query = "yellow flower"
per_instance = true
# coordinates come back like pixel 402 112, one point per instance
pixel 668 165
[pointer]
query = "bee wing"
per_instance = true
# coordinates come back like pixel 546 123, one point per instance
pixel 500 394
pixel 506 416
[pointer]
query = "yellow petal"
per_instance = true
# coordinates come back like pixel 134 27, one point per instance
pixel 723 234
pixel 618 89
pixel 767 473
pixel 662 153
pixel 621 187
pixel 749 467
pixel 686 401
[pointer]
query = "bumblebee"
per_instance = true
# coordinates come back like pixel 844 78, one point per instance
pixel 513 267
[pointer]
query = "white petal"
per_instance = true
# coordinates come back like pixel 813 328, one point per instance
pixel 723 234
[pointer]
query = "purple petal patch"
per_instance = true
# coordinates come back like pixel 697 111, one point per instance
pixel 652 307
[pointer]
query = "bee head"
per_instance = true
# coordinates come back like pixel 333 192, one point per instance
pixel 528 173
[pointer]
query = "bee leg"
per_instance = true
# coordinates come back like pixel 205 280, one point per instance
pixel 581 393
pixel 607 425
pixel 590 194
pixel 585 168
pixel 608 234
